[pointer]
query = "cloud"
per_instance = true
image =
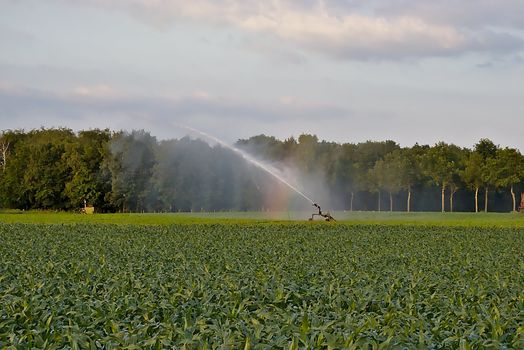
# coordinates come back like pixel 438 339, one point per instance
pixel 100 91
pixel 357 35
pixel 230 119
pixel 8 34
pixel 349 30
pixel 89 107
pixel 466 14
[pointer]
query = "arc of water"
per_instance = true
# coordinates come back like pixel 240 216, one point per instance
pixel 267 168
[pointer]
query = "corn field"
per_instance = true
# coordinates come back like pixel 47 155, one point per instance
pixel 260 286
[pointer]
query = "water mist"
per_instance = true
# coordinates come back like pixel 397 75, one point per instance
pixel 266 167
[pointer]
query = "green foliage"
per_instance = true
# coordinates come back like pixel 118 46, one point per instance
pixel 472 172
pixel 442 163
pixel 131 160
pixel 53 169
pixel 84 159
pixel 508 167
pixel 486 148
pixel 271 286
pixel 37 171
pixel 58 169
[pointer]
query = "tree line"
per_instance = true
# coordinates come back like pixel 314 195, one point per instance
pixel 59 169
pixel 371 170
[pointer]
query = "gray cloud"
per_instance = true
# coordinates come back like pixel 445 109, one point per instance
pixel 352 29
pixel 102 107
pixel 8 34
pixel 469 14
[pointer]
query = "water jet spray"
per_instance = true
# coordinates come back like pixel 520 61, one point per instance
pixel 267 168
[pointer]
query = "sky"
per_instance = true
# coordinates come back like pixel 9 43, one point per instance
pixel 412 71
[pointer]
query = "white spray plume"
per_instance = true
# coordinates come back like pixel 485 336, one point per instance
pixel 267 168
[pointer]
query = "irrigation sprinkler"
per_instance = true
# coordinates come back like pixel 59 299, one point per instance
pixel 327 216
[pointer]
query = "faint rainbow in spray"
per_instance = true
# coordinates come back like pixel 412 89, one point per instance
pixel 277 199
pixel 266 167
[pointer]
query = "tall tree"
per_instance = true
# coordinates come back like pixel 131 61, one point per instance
pixel 389 171
pixel 45 171
pixel 306 153
pixel 4 151
pixel 488 151
pixel 458 157
pixel 509 169
pixel 486 148
pixel 440 164
pixel 472 174
pixel 131 160
pixel 411 170
pixel 265 147
pixel 402 172
pixel 12 189
pixel 345 172
pixel 374 181
pixel 84 159
pixel 366 155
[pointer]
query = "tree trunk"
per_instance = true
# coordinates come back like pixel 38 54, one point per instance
pixel 408 205
pixel 451 195
pixel 351 201
pixel 476 199
pixel 513 198
pixel 378 200
pixel 390 201
pixel 486 200
pixel 4 148
pixel 443 196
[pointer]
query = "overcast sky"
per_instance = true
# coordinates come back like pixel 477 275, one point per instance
pixel 345 70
